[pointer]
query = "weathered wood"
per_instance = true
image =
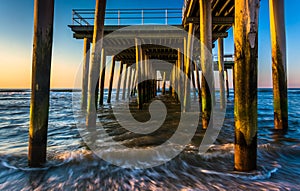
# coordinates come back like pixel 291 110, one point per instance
pixel 221 72
pixel 139 60
pixel 279 71
pixel 245 73
pixel 164 84
pixel 133 83
pixel 198 84
pixel 206 60
pixel 189 56
pixel 129 82
pixel 95 61
pixel 193 81
pixel 125 82
pixel 119 81
pixel 85 73
pixel 112 73
pixel 227 83
pixel 102 77
pixel 41 67
pixel 173 81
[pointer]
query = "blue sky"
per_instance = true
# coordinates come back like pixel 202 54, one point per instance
pixel 16 18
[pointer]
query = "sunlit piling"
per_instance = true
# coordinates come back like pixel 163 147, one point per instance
pixel 111 80
pixel 245 102
pixel 119 81
pixel 95 60
pixel 279 68
pixel 125 82
pixel 206 60
pixel 187 69
pixel 129 81
pixel 85 72
pixel 102 77
pixel 41 67
pixel 221 72
pixel 164 84
pixel 139 61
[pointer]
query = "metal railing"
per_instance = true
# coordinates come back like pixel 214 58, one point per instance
pixel 121 17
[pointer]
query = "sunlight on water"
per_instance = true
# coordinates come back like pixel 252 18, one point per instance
pixel 71 165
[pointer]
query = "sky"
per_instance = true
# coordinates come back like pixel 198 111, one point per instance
pixel 16 37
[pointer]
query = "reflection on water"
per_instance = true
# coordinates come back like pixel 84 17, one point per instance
pixel 71 165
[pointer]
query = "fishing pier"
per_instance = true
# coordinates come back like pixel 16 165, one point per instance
pixel 157 37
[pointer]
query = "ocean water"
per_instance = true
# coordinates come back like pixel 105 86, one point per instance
pixel 71 165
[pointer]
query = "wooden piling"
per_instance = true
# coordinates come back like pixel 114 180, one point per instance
pixel 227 83
pixel 164 84
pixel 139 60
pixel 85 73
pixel 221 72
pixel 102 77
pixel 206 60
pixel 245 102
pixel 198 84
pixel 193 81
pixel 189 55
pixel 112 72
pixel 133 82
pixel 41 67
pixel 119 81
pixel 279 71
pixel 125 83
pixel 95 60
pixel 129 82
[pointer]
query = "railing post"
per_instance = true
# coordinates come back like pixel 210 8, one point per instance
pixel 119 15
pixel 166 16
pixel 142 16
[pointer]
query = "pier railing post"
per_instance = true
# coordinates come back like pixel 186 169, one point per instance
pixel 95 61
pixel 85 73
pixel 206 60
pixel 279 68
pixel 221 71
pixel 41 67
pixel 111 79
pixel 245 73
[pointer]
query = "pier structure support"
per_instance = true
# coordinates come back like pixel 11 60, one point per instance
pixel 112 73
pixel 85 72
pixel 245 73
pixel 193 80
pixel 198 84
pixel 206 60
pixel 41 68
pixel 102 77
pixel 279 67
pixel 138 68
pixel 133 82
pixel 129 82
pixel 173 81
pixel 221 72
pixel 178 76
pixel 119 81
pixel 164 84
pixel 187 68
pixel 95 60
pixel 125 82
pixel 227 83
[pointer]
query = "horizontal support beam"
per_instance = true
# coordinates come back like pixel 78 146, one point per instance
pixel 215 20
